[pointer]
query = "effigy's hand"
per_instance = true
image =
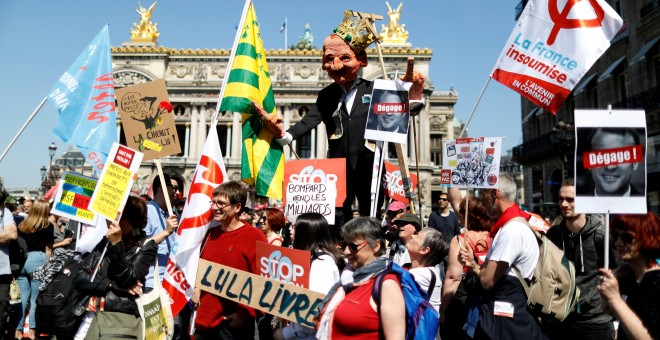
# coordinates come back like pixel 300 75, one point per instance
pixel 272 122
pixel 416 78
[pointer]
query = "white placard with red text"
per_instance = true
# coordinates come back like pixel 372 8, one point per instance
pixel 610 161
pixel 552 46
pixel 115 183
pixel 471 162
pixel 389 112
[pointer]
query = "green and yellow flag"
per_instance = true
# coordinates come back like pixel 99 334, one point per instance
pixel 249 79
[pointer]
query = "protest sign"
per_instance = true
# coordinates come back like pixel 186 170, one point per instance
pixel 471 162
pixel 316 185
pixel 389 112
pixel 89 235
pixel 73 196
pixel 284 264
pixel 610 161
pixel 270 296
pixel 393 183
pixel 147 118
pixel 115 182
pixel 551 48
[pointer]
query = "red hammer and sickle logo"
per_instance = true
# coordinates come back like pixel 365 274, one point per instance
pixel 561 20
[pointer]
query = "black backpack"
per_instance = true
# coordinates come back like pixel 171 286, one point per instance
pixel 61 307
pixel 17 254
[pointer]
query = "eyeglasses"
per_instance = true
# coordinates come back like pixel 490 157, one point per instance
pixel 218 204
pixel 627 238
pixel 354 248
pixel 442 199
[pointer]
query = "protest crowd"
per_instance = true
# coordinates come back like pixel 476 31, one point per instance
pixel 478 267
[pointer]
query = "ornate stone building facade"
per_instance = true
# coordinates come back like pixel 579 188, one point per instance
pixel 194 78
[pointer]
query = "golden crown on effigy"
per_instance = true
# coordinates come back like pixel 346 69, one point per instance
pixel 355 32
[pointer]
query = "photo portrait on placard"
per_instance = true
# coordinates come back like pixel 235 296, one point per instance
pixel 389 112
pixel 610 163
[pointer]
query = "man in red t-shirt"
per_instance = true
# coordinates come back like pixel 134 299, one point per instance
pixel 233 244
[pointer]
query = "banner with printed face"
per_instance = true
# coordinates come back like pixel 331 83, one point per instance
pixel 283 264
pixel 148 120
pixel 471 162
pixel 389 112
pixel 610 161
pixel 393 183
pixel 551 48
pixel 315 185
pixel 74 193
pixel 285 301
pixel 115 182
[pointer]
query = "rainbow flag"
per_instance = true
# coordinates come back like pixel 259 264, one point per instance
pixel 249 79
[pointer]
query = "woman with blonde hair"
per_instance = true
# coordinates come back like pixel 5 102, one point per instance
pixel 37 231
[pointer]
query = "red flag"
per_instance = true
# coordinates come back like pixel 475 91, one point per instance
pixel 196 219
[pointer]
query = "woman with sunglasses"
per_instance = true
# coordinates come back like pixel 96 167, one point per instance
pixel 637 242
pixel 312 233
pixel 350 311
pixel 271 224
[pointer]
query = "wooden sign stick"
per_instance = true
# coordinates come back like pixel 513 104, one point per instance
pixel 163 187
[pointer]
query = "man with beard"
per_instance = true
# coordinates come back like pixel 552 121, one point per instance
pixel 581 237
pixel 343 106
pixel 233 244
pixel 503 312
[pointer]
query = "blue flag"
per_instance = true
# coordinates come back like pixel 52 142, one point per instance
pixel 84 96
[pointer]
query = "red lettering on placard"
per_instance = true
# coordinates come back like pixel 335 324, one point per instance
pixel 616 156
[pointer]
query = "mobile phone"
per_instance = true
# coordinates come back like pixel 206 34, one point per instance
pixel 68 233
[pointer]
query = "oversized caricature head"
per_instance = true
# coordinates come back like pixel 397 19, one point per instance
pixel 340 61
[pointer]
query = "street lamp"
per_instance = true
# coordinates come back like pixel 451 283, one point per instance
pixel 51 151
pixel 48 175
pixel 43 172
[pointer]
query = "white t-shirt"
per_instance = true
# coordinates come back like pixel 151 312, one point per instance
pixel 515 244
pixel 423 278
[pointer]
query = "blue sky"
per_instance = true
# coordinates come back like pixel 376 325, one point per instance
pixel 41 39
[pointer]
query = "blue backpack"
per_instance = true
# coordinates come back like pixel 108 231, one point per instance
pixel 421 318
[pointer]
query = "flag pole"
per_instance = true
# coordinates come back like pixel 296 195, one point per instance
pixel 232 55
pixel 474 108
pixel 23 127
pixel 286 33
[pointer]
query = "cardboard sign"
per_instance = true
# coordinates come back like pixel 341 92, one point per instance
pixel 73 196
pixel 115 182
pixel 610 162
pixel 284 264
pixel 148 125
pixel 389 113
pixel 393 183
pixel 270 296
pixel 316 185
pixel 471 162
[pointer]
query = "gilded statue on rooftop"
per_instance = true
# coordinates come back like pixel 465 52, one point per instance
pixel 394 33
pixel 145 31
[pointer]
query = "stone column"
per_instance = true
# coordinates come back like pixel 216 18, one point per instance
pixel 194 118
pixel 286 123
pixel 203 117
pixel 186 144
pixel 321 141
pixel 119 131
pixel 228 148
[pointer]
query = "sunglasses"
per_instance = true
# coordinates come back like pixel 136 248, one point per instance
pixel 354 248
pixel 627 238
pixel 443 200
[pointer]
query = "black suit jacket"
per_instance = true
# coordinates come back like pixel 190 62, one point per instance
pixel 351 144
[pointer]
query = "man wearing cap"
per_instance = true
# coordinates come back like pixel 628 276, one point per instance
pixel 343 106
pixel 443 220
pixel 407 225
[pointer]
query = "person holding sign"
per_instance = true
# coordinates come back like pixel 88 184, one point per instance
pixel 614 155
pixel 351 311
pixel 312 233
pixel 233 244
pixel 158 221
pixel 343 107
pixel 637 242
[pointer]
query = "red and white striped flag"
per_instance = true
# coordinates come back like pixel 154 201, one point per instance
pixel 196 219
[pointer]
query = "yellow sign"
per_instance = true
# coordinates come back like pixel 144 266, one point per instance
pixel 151 145
pixel 271 296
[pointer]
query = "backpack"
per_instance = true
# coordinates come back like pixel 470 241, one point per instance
pixel 61 307
pixel 421 318
pixel 17 255
pixel 552 291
